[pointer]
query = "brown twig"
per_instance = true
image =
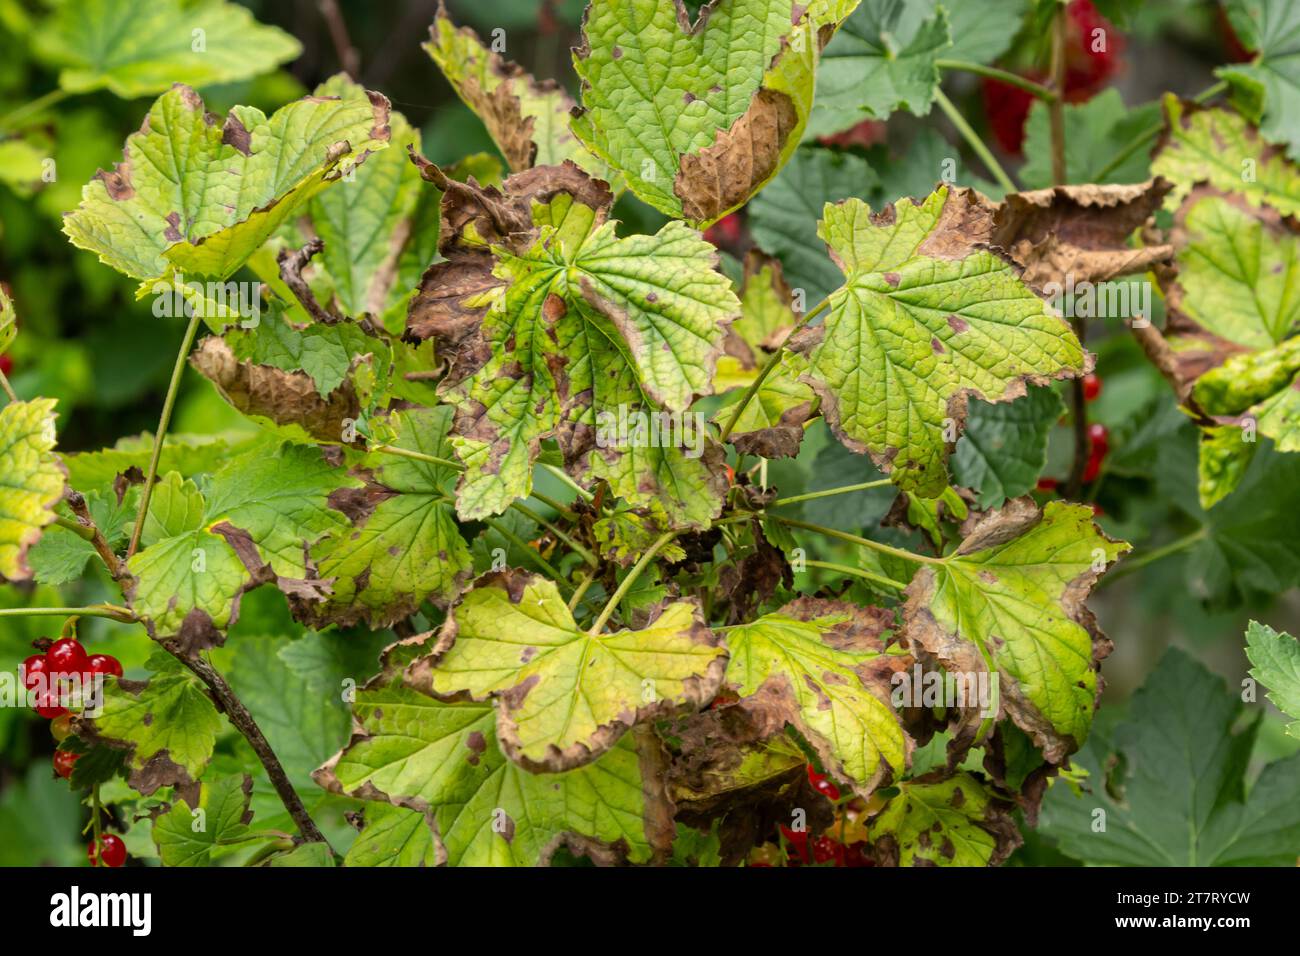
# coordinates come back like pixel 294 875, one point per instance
pixel 292 262
pixel 243 721
pixel 1161 355
pixel 77 502
pixel 348 56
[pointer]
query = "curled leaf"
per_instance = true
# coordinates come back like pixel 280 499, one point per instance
pixel 1010 600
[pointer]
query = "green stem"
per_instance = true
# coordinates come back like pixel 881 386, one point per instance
pixel 771 363
pixel 1146 135
pixel 1139 561
pixel 1011 79
pixel 523 545
pixel 531 515
pixel 855 539
pixel 164 421
pixel 417 456
pixel 11 119
pixel 80 530
pixel 559 473
pixel 1056 109
pixel 582 589
pixel 857 572
pixel 976 144
pixel 111 611
pixel 94 820
pixel 626 584
pixel 829 492
pixel 8 389
pixel 557 506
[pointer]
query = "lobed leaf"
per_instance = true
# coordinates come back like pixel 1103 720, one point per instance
pixel 1010 601
pixel 194 196
pixel 566 695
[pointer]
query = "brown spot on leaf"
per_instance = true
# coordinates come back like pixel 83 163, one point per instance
pixel 725 174
pixel 235 134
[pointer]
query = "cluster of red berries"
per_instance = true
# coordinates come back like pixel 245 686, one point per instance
pixel 65 661
pixel 1091 59
pixel 851 849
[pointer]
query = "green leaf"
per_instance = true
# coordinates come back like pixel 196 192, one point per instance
pixel 941 820
pixel 924 318
pixel 699 118
pixel 280 500
pixel 1251 545
pixel 307 855
pixel 169 724
pixel 527 119
pixel 394 836
pixel 140 47
pixel 371 223
pixel 329 354
pixel 188 454
pixel 1223 457
pixel 882 60
pixel 567 695
pixel 225 816
pixel 399 545
pixel 1268 88
pixel 1096 131
pixel 32 484
pixel 591 333
pixel 193 196
pixel 304 726
pixel 1217 146
pixel 834 691
pixel 981 32
pixel 1238 276
pixel 784 216
pixel 1277 666
pixel 262 513
pixel 1004 448
pixel 425 754
pixel 175 507
pixel 1010 601
pixel 624 536
pixel 195 573
pixel 1173 790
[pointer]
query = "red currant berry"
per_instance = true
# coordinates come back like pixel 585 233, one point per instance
pixel 822 785
pixel 826 850
pixel 33 668
pixel 1047 484
pixel 1098 438
pixel 66 656
pixel 104 664
pixel 724 232
pixel 1091 387
pixel 6 364
pixel 112 851
pixel 858 855
pixel 1007 108
pixel 47 705
pixel 63 761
